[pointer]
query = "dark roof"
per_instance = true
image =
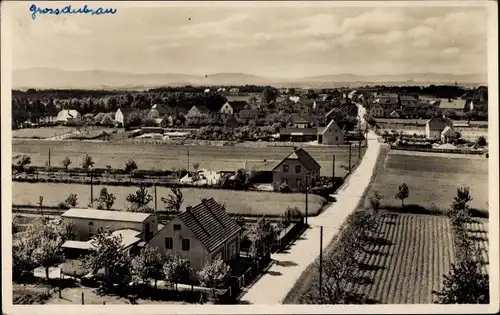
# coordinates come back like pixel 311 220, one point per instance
pixel 210 223
pixel 242 98
pixel 323 104
pixel 127 111
pixel 439 123
pixel 163 109
pixel 201 108
pixel 303 131
pixel 248 113
pixel 299 118
pixel 238 105
pixel 305 158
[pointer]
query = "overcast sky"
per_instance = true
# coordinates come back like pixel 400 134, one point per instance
pixel 268 41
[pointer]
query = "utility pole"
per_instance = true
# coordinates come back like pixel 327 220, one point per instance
pixel 156 203
pixel 321 262
pixel 350 144
pixel 91 189
pixel 307 190
pixel 188 161
pixel 49 160
pixel 333 166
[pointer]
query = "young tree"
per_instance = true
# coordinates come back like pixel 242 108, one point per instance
pixel 148 265
pixel 108 252
pixel 195 177
pixel 72 200
pixel 481 141
pixel 47 253
pixel 130 167
pixel 265 236
pixel 174 201
pixel 176 269
pixel 240 220
pixel 459 208
pixel 464 285
pixel 403 193
pixel 87 162
pixel 214 275
pixel 375 201
pixel 66 162
pixel 139 202
pixel 22 163
pixel 105 200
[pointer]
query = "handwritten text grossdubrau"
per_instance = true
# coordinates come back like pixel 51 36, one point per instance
pixel 69 10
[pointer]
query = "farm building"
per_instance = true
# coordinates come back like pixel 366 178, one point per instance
pixel 234 91
pixel 201 234
pixel 331 134
pixel 298 134
pixel 248 114
pixel 68 116
pixel 407 100
pixel 87 221
pixel 230 121
pixel 122 116
pixel 435 126
pixel 294 99
pixel 449 135
pixel 297 169
pixel 457 105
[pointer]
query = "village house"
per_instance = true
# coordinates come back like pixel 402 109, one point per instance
pixel 233 107
pixel 234 91
pixel 294 98
pixel 198 110
pixel 161 110
pixel 301 121
pixel 67 116
pixel 435 126
pixel 407 100
pixel 122 116
pixel 298 134
pixel 449 135
pixel 377 111
pixel 330 135
pixel 230 121
pixel 297 169
pixel 200 234
pixel 352 95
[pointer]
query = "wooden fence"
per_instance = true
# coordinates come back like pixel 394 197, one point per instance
pixel 424 149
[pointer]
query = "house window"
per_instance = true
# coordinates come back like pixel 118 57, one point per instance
pixel 232 250
pixel 168 243
pixel 299 182
pixel 284 181
pixel 285 168
pixel 91 223
pixel 177 227
pixel 336 138
pixel 185 244
pixel 297 169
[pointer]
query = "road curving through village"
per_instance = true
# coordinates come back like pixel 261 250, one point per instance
pixel 273 286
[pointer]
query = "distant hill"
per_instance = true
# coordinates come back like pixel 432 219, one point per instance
pixel 45 78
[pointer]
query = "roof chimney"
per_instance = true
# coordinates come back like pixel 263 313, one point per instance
pixel 189 208
pixel 294 148
pixel 203 200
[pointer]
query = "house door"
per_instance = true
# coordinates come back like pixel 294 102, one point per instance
pixel 320 138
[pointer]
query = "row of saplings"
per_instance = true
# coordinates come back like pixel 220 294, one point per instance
pixel 466 283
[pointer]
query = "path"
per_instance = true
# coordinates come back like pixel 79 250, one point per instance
pixel 274 285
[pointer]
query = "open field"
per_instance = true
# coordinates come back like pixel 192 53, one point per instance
pixel 422 122
pixel 432 179
pixel 242 202
pixel 168 156
pixel 413 254
pixel 42 132
pixel 470 134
